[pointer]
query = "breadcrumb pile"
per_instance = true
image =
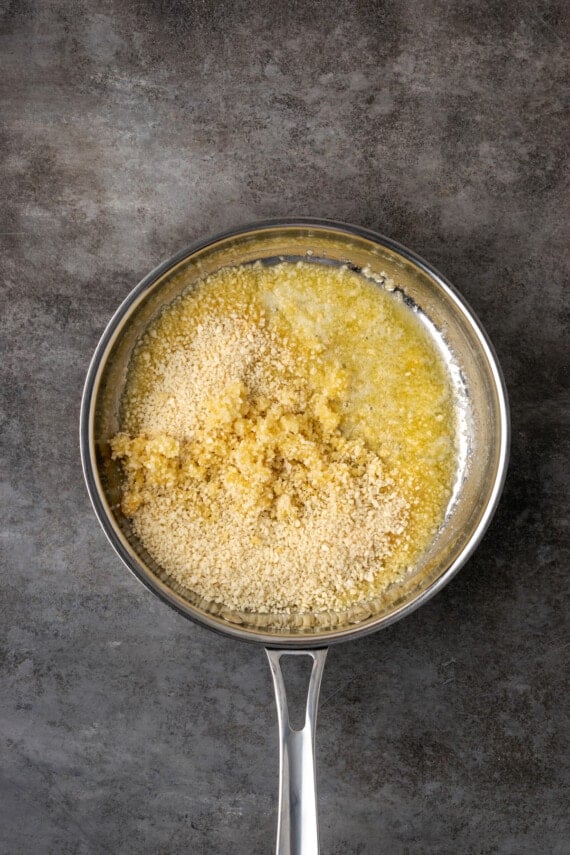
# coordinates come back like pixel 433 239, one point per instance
pixel 247 476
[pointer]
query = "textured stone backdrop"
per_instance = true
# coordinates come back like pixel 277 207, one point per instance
pixel 132 128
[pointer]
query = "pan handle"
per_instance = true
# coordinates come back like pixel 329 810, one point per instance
pixel 297 824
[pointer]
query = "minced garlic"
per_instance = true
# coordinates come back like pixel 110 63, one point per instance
pixel 288 439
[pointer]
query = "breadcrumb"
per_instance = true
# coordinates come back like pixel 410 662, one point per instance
pixel 288 439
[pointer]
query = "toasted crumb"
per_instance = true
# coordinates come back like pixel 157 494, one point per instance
pixel 288 439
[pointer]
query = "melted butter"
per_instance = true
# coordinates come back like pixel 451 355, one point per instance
pixel 373 354
pixel 350 340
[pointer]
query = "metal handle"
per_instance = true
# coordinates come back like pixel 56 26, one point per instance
pixel 297 824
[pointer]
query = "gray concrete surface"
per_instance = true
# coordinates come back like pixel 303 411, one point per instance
pixel 133 127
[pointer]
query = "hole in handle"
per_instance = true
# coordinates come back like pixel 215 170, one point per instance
pixel 296 671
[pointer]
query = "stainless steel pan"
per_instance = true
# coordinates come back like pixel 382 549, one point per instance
pixel 482 460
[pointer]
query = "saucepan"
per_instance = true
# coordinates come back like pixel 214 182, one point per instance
pixel 482 453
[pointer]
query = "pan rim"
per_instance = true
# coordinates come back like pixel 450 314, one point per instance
pixel 128 555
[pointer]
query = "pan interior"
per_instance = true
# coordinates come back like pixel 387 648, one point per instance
pixel 473 374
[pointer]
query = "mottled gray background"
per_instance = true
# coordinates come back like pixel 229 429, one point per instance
pixel 132 128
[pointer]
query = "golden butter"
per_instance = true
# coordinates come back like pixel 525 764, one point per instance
pixel 305 409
